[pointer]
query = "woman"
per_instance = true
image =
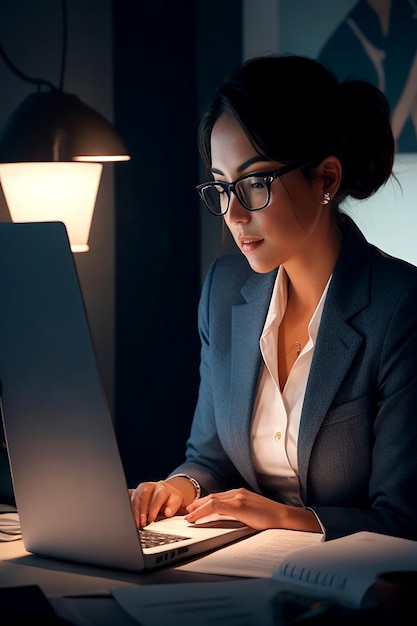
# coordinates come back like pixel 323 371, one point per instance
pixel 306 417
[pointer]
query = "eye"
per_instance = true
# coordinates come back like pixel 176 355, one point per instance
pixel 255 183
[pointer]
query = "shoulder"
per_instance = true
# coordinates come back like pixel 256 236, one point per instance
pixel 230 271
pixel 232 263
pixel 359 254
pixel 393 268
pixel 231 275
pixel 365 275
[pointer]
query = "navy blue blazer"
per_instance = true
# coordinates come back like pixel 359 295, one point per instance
pixel 357 445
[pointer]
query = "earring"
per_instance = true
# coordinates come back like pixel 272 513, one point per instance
pixel 326 198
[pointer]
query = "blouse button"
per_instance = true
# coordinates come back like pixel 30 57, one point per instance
pixel 277 436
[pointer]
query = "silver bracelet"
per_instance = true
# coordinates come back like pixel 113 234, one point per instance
pixel 192 480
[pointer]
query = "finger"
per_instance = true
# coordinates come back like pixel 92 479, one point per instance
pixel 211 504
pixel 140 499
pixel 173 504
pixel 162 498
pixel 222 495
pixel 197 503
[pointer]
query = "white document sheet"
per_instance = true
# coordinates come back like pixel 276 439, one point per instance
pixel 235 603
pixel 257 556
pixel 341 571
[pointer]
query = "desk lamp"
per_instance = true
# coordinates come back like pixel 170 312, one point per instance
pixel 52 151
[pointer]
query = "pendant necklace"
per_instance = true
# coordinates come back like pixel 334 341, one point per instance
pixel 295 346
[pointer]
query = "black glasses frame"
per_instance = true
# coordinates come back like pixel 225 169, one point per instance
pixel 268 178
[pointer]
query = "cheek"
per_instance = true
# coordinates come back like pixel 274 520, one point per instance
pixel 296 214
pixel 283 221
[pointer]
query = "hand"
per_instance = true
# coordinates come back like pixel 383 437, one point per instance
pixel 152 498
pixel 253 510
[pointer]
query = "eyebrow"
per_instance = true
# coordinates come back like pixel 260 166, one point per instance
pixel 243 166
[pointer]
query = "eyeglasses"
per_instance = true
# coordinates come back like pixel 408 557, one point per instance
pixel 252 190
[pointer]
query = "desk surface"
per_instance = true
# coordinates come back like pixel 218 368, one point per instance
pixel 18 567
pixel 60 579
pixel 80 593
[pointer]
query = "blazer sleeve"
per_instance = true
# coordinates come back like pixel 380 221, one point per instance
pixel 206 458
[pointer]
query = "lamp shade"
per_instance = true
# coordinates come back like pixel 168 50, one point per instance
pixel 58 192
pixel 56 126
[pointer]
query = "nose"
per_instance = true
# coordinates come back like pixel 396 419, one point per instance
pixel 236 212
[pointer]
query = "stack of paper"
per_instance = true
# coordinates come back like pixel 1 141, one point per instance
pixel 9 523
pixel 341 572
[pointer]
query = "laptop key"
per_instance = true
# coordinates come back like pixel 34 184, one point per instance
pixel 152 538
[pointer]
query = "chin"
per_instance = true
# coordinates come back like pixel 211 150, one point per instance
pixel 261 268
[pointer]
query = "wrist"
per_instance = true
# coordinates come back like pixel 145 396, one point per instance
pixel 190 479
pixel 299 518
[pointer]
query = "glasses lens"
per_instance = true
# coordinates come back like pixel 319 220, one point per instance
pixel 253 192
pixel 216 198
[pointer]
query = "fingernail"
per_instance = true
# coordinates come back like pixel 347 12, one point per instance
pixel 143 520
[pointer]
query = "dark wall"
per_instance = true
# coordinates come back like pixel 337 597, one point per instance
pixel 168 58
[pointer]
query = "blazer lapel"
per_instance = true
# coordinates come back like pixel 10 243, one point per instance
pixel 337 341
pixel 248 321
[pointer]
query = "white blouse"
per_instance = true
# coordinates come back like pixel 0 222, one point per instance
pixel 276 417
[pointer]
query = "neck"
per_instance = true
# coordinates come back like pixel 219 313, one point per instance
pixel 308 277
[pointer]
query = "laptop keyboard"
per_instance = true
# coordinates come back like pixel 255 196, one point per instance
pixel 152 538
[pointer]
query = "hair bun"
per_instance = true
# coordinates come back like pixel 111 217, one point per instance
pixel 366 143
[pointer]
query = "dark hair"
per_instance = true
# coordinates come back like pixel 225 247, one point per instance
pixel 292 108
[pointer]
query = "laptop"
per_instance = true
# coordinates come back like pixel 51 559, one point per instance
pixel 67 474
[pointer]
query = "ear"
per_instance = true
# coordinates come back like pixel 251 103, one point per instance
pixel 331 173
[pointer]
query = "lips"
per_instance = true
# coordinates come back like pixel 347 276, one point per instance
pixel 249 244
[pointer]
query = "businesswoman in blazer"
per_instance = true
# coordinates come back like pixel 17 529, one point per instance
pixel 307 410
